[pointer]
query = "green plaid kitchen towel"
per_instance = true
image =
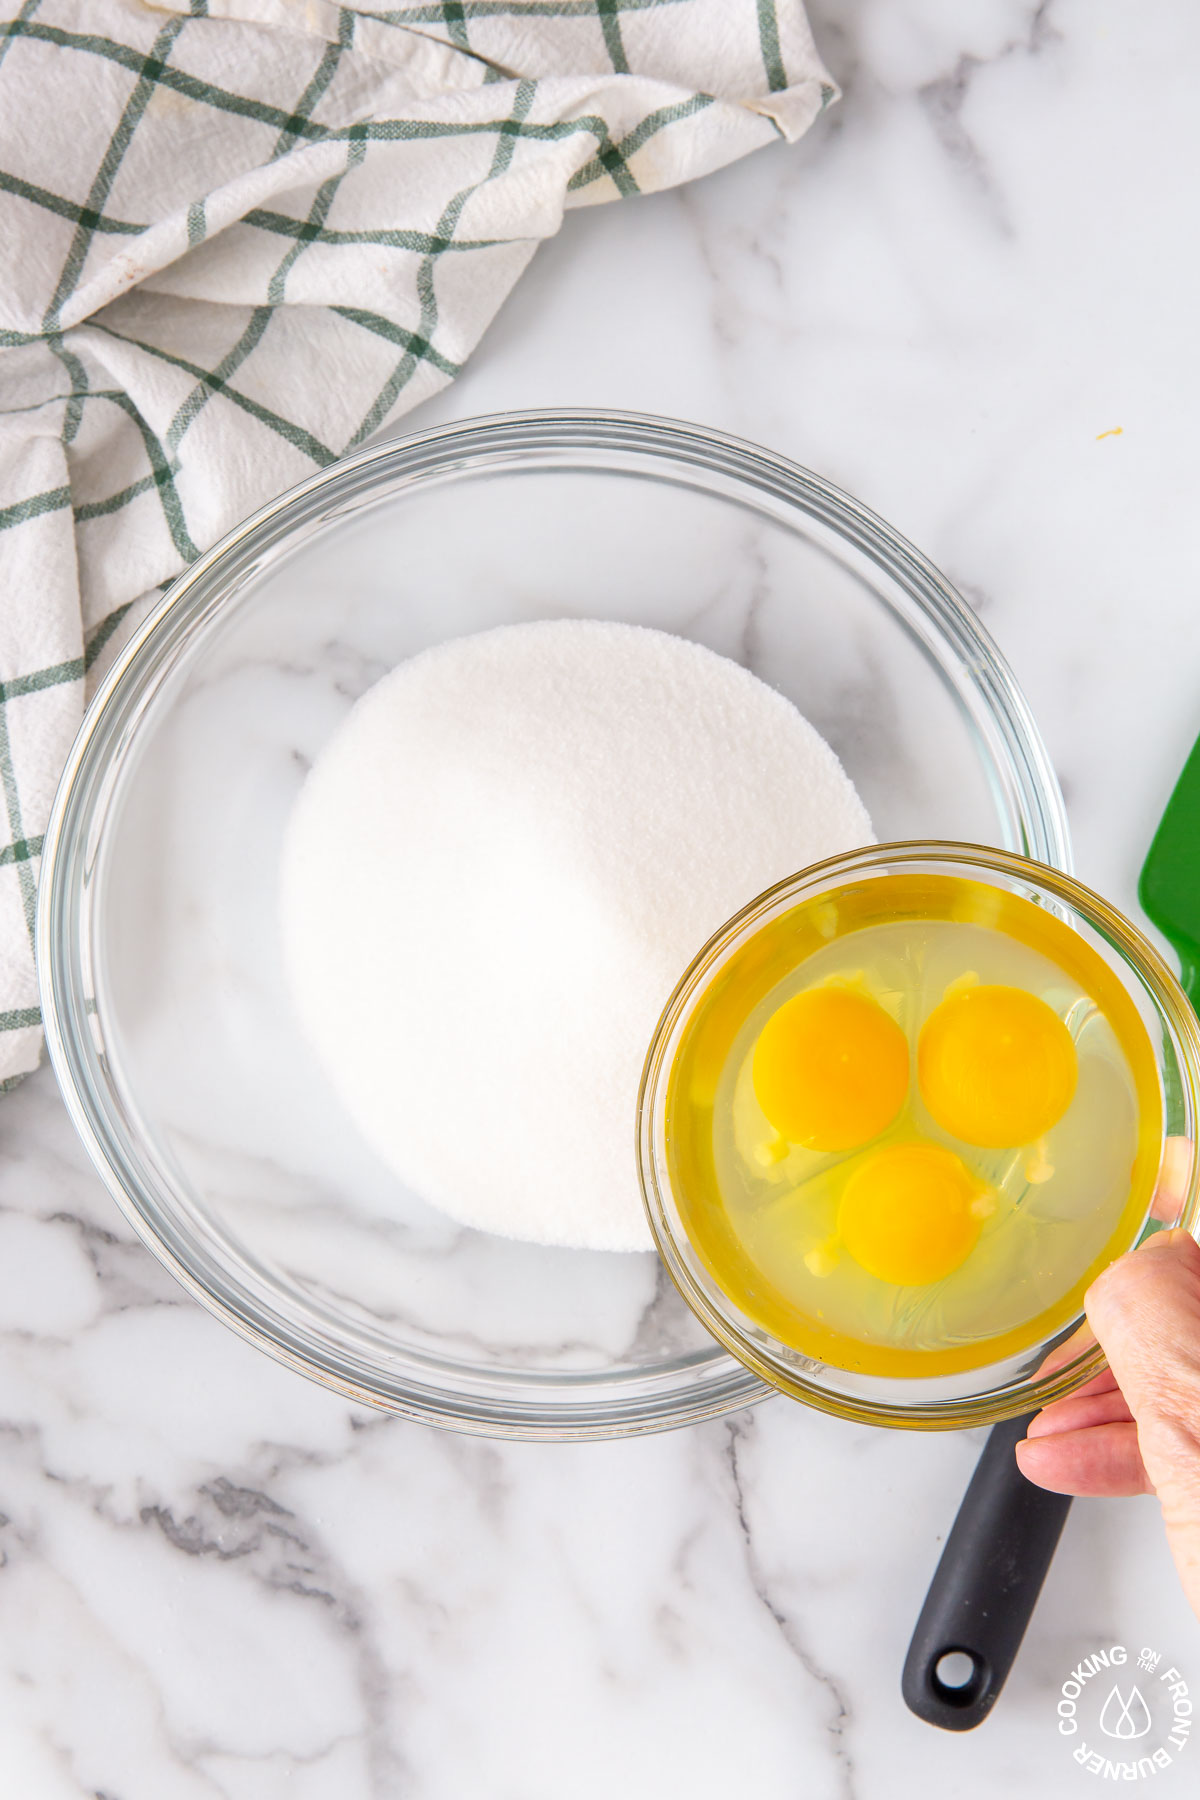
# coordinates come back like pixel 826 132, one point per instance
pixel 238 236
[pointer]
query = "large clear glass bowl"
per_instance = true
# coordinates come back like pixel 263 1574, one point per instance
pixel 166 1014
pixel 1011 1383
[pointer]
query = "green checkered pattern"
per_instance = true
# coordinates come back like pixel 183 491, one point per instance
pixel 240 236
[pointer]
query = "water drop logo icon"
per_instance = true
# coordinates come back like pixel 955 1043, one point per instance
pixel 1125 1718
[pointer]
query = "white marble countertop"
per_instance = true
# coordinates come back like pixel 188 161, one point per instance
pixel 220 1582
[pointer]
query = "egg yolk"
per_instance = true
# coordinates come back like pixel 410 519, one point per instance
pixel 830 1069
pixel 996 1066
pixel 906 1214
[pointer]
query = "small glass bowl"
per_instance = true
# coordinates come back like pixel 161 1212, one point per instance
pixel 1002 1389
pixel 167 1014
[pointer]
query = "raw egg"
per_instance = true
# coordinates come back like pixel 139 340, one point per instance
pixel 830 1069
pixel 996 1066
pixel 911 1214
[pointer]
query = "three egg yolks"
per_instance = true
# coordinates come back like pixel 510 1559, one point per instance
pixel 996 1067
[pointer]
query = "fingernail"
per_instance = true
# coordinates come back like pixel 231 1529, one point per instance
pixel 1176 1235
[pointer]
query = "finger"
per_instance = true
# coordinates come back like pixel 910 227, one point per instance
pixel 1081 1412
pixel 1081 1339
pixel 1103 1460
pixel 1103 1383
pixel 1145 1311
pixel 1173 1177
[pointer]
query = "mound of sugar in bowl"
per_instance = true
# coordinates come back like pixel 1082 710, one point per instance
pixel 494 876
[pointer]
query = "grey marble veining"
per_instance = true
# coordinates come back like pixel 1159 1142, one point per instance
pixel 220 1582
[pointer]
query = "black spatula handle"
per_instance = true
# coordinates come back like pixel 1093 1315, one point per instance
pixel 986 1586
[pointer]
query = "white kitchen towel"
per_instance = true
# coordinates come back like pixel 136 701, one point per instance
pixel 238 236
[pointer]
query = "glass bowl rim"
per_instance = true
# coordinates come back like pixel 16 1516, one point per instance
pixel 608 1403
pixel 1134 950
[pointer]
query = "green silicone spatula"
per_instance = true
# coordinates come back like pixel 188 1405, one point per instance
pixel 1169 889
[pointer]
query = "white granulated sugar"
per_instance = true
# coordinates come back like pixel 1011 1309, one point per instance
pixel 496 873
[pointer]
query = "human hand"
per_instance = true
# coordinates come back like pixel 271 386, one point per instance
pixel 1135 1428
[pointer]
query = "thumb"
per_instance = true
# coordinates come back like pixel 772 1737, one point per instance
pixel 1145 1312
